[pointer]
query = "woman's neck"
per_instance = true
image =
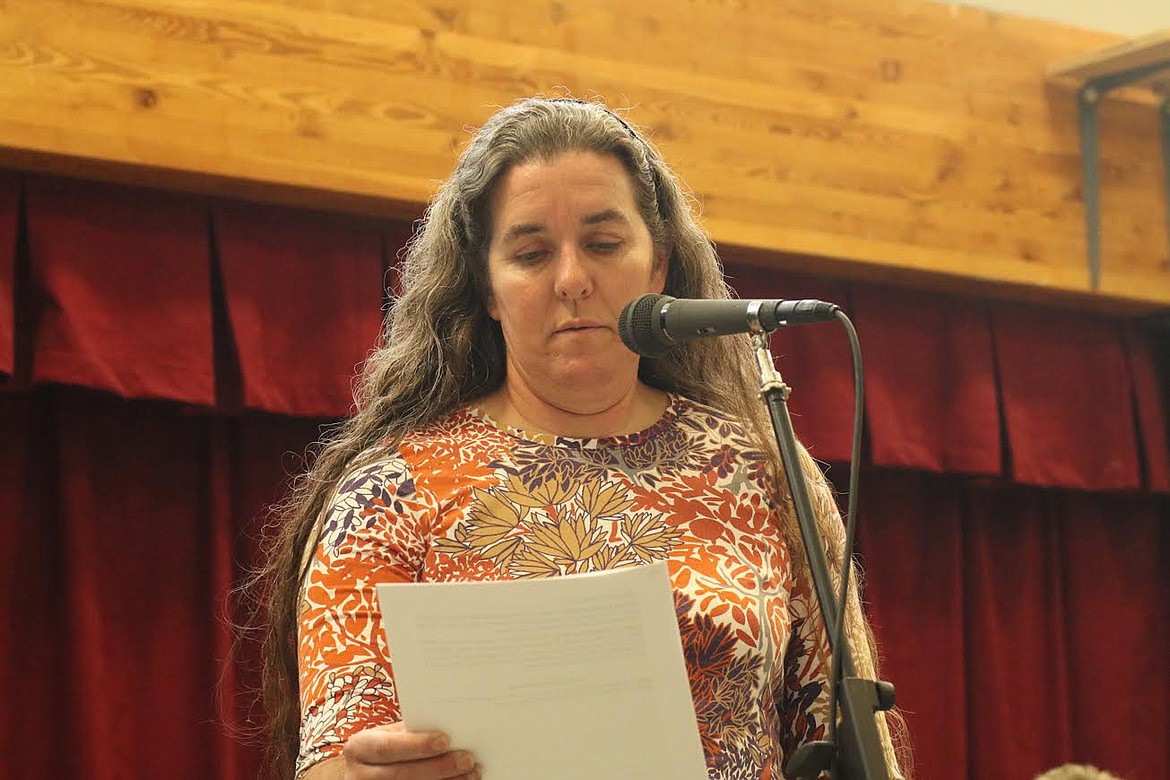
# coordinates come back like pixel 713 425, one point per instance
pixel 519 407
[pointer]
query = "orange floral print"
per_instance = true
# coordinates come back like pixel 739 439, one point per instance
pixel 467 499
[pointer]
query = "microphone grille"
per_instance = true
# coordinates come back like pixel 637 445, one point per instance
pixel 640 329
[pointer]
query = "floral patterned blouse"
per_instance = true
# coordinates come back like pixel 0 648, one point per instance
pixel 467 499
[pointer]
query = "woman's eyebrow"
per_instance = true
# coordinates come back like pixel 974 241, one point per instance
pixel 529 228
pixel 609 215
pixel 522 229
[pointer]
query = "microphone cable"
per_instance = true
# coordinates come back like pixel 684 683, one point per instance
pixel 838 629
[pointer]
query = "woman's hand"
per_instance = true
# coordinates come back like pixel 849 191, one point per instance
pixel 392 753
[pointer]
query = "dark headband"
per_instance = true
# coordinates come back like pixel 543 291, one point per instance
pixel 633 133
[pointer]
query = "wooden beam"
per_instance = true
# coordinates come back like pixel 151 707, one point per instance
pixel 916 141
pixel 1139 52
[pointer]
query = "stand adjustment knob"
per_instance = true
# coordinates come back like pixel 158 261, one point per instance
pixel 885 695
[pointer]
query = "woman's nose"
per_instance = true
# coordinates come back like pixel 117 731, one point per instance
pixel 573 279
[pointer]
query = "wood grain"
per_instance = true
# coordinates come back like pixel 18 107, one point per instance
pixel 913 141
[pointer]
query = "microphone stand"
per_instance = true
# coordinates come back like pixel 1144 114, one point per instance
pixel 859 753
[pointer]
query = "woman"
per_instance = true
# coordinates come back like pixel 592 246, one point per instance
pixel 504 431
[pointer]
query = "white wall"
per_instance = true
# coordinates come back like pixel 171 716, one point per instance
pixel 1124 17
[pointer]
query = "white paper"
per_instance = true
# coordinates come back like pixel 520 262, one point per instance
pixel 562 678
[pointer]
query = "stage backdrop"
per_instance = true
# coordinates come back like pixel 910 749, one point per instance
pixel 166 360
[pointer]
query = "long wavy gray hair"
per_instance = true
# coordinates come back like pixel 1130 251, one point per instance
pixel 440 350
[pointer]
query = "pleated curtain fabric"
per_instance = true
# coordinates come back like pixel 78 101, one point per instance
pixel 930 381
pixel 1067 398
pixel 9 214
pixel 128 525
pixel 125 284
pixel 1023 627
pixel 304 300
pixel 1143 351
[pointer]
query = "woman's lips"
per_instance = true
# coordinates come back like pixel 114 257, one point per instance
pixel 577 327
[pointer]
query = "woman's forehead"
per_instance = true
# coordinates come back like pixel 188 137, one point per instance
pixel 586 182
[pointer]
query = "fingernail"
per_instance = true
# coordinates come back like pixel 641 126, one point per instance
pixel 440 743
pixel 464 761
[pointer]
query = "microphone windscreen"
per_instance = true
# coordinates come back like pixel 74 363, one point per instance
pixel 639 328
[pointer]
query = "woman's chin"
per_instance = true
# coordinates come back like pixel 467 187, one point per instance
pixel 583 376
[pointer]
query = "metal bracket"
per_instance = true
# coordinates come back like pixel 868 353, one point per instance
pixel 1164 112
pixel 1087 99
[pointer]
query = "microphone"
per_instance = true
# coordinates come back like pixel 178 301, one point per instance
pixel 652 325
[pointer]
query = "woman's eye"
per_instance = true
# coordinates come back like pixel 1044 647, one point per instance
pixel 531 256
pixel 605 247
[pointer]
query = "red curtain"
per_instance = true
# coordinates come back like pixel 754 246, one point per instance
pixel 126 525
pixel 9 209
pixel 1064 380
pixel 125 289
pixel 327 305
pixel 1141 351
pixel 183 353
pixel 930 381
pixel 1023 627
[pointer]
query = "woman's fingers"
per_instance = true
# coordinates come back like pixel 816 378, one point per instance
pixel 392 745
pixel 406 755
pixel 438 768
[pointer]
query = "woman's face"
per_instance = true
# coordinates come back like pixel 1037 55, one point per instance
pixel 568 251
